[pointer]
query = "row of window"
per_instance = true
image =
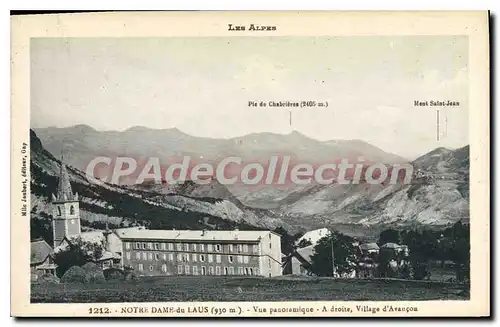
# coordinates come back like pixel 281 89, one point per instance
pixel 187 257
pixel 239 248
pixel 195 270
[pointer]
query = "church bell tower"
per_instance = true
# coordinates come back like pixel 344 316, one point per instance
pixel 66 209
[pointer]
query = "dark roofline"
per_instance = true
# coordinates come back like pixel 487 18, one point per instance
pixel 181 240
pixel 32 263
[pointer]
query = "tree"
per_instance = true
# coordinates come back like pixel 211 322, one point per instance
pixel 287 240
pixel 77 253
pixel 389 236
pixel 460 249
pixel 344 255
pixel 423 247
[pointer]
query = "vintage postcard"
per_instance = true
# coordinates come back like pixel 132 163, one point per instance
pixel 250 164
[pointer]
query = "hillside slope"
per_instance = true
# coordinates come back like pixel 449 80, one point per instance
pixel 437 195
pixel 124 206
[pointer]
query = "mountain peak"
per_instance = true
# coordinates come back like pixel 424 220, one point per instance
pixel 296 133
pixel 82 128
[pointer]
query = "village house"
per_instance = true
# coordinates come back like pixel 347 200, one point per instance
pixel 299 262
pixel 369 248
pixel 42 260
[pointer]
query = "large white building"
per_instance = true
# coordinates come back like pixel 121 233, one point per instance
pixel 169 252
pixel 192 252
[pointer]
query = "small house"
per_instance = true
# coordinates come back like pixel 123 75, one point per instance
pixel 42 259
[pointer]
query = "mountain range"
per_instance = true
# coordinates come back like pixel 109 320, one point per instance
pixel 205 207
pixel 437 195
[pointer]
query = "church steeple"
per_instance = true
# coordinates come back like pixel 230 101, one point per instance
pixel 66 209
pixel 64 191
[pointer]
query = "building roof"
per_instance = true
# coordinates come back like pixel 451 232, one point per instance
pixel 306 253
pixel 391 246
pixel 64 191
pixel 369 246
pixel 106 255
pixel 192 235
pixel 314 236
pixel 47 266
pixel 40 250
pixel 92 237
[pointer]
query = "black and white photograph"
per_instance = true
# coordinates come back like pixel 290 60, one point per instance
pixel 251 168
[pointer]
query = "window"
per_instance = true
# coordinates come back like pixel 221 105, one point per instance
pixel 144 246
pixel 179 270
pixel 218 248
pixel 240 259
pixel 193 246
pixel 71 210
pixel 226 271
pixel 210 247
pixel 157 246
pixel 240 270
pixel 217 270
pixel 218 258
pixel 246 271
pixel 151 268
pixel 195 270
pixel 211 270
pixel 210 258
pixel 202 247
pixel 270 246
pixel 157 256
pixel 186 257
pixel 140 267
pixel 231 270
pixel 164 257
pixel 150 246
pixel 138 255
pixel 202 257
pixel 203 270
pixel 230 248
pixel 179 257
pixel 186 247
pixel 127 245
pixel 186 269
pixel 251 272
pixel 59 213
pixel 240 248
pixel 246 259
pixel 144 256
pixel 179 247
pixel 150 255
pixel 269 262
pixel 245 248
pixel 163 246
pixel 195 257
pixel 128 255
pixel 230 258
pixel 171 257
pixel 170 246
pixel 137 245
pixel 164 268
pixel 256 271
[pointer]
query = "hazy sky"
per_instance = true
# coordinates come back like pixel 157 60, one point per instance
pixel 202 86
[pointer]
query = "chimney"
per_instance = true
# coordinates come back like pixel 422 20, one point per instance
pixel 106 234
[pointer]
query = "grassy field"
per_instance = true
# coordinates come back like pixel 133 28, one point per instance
pixel 213 288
